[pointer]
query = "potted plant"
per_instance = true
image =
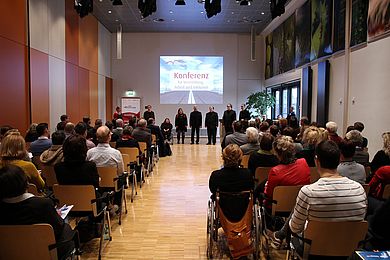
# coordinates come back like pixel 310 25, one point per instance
pixel 260 102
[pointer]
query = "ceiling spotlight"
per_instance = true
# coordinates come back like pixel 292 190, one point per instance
pixel 245 2
pixel 117 2
pixel 180 2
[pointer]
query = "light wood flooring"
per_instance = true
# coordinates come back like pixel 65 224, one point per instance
pixel 168 217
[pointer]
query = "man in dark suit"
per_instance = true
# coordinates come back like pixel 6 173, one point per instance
pixel 211 123
pixel 244 113
pixel 155 130
pixel 229 116
pixel 195 124
pixel 142 134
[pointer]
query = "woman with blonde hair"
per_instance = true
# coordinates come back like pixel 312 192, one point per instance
pixel 311 137
pixel 231 178
pixel 13 151
pixel 382 157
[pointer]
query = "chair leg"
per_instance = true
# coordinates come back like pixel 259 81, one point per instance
pixel 102 234
pixel 124 198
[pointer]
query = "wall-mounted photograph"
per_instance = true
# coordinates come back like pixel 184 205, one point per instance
pixel 302 34
pixel 378 19
pixel 321 28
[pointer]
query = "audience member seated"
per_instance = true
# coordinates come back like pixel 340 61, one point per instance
pixel 253 141
pixel 361 155
pixel 360 127
pixel 92 133
pixel 289 131
pixel 127 140
pixel 87 122
pixel 378 182
pixel 119 127
pixel 31 134
pixel 331 127
pixel 237 137
pixel 325 199
pixel 274 130
pixel 166 128
pixel 282 123
pixel 378 237
pixel 75 170
pixel 69 129
pixel 311 137
pixel 142 134
pixel 231 178
pixel 54 154
pixel 43 142
pixel 114 137
pixel 13 151
pixel 305 123
pixel 81 129
pixel 348 167
pixel 3 130
pixel 382 157
pixel 155 130
pixel 264 156
pixel 263 129
pixel 64 119
pixel 290 171
pixel 18 207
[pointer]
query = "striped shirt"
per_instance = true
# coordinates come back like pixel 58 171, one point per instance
pixel 329 199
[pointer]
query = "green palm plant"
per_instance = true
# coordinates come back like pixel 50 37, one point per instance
pixel 260 102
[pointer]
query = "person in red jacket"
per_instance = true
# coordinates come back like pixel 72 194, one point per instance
pixel 290 171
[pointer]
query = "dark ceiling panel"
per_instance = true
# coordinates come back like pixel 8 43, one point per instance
pixel 188 18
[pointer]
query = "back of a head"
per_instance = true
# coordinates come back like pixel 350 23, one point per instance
pixel 128 130
pixel 98 123
pixel 13 182
pixel 349 128
pixel 285 149
pixel 150 121
pixel 63 118
pixel 358 126
pixel 237 126
pixel 232 156
pixel 347 148
pixel 328 154
pixel 75 149
pixel 312 136
pixel 274 130
pixel 58 138
pixel 86 120
pixel 305 121
pixel 13 147
pixel 264 126
pixel 69 128
pixel 142 123
pixel 252 134
pixel 331 127
pixel 80 128
pixel 4 129
pixel 119 123
pixel 109 125
pixel 41 127
pixel 266 142
pixel 251 123
pixel 354 136
pixel 289 131
pixel 61 126
pixel 283 122
pixel 103 134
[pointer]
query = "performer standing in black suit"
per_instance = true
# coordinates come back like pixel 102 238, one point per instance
pixel 181 124
pixel 211 123
pixel 229 116
pixel 195 124
pixel 244 113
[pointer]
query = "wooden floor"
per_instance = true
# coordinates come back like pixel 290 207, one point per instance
pixel 168 217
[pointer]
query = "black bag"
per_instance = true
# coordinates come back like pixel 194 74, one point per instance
pixel 167 149
pixel 88 230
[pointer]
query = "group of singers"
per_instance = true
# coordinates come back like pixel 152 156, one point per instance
pixel 195 122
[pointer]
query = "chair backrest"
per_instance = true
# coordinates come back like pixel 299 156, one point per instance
pixel 314 176
pixel 31 188
pixel 335 238
pixel 366 188
pixel 113 144
pixel 107 177
pixel 27 242
pixel 36 160
pixel 285 197
pixel 49 175
pixel 132 152
pixel 80 196
pixel 143 146
pixel 245 160
pixel 386 192
pixel 126 161
pixel 261 174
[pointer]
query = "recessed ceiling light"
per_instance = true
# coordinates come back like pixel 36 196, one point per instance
pixel 109 11
pixel 116 20
pixel 232 12
pixel 170 11
pixel 101 0
pixel 201 12
pixel 172 20
pixel 228 21
pixel 262 12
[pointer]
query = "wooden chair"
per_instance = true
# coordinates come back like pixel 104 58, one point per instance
pixel 113 144
pixel 144 149
pixel 386 192
pixel 50 176
pixel 245 160
pixel 27 242
pixel 131 172
pixel 261 174
pixel 284 199
pixel 83 199
pixel 110 180
pixel 133 154
pixel 314 176
pixel 332 238
pixel 155 149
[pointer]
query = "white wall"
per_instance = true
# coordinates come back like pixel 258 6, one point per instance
pixel 139 67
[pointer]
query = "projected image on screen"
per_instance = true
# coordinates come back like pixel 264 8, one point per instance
pixel 191 80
